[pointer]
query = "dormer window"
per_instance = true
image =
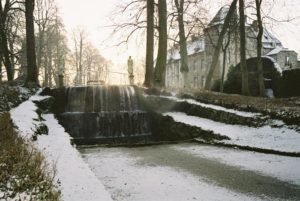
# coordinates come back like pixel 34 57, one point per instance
pixel 273 44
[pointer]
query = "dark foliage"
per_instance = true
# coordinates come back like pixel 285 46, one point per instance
pixel 271 75
pixel 290 83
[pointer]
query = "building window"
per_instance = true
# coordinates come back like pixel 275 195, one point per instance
pixel 195 82
pixel 203 81
pixel 201 64
pixel 287 61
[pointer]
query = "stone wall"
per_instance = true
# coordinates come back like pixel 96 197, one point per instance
pixel 282 57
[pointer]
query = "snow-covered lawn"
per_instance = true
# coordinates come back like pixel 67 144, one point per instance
pixel 214 107
pixel 77 181
pixel 265 137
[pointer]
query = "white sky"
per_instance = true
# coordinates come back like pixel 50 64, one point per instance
pixel 93 16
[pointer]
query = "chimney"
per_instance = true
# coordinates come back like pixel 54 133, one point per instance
pixel 255 25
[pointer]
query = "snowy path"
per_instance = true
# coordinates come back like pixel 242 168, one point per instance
pixel 77 181
pixel 194 172
pixel 265 137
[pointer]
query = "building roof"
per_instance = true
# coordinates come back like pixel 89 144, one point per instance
pixel 270 41
pixel 193 47
pixel 220 16
pixel 275 51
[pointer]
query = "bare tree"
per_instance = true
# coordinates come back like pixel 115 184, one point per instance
pixel 5 12
pixel 218 47
pixel 79 37
pixel 149 44
pixel 32 76
pixel 243 63
pixel 94 65
pixel 161 60
pixel 129 21
pixel 182 42
pixel 1 69
pixel 194 19
pixel 260 73
pixel 224 50
pixel 44 15
pixel 15 34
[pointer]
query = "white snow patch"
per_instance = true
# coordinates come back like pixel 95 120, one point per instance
pixel 269 93
pixel 193 47
pixel 38 98
pixel 215 107
pixel 23 116
pixel 77 181
pixel 275 51
pixel 23 90
pixel 281 167
pixel 276 65
pixel 266 137
pixel 129 180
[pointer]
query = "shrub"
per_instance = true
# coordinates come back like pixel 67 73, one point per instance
pixel 24 174
pixel 290 83
pixel 233 84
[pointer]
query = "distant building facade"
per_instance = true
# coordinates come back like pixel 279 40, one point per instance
pixel 201 49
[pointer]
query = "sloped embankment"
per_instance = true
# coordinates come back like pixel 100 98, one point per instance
pixel 23 175
pixel 214 124
pixel 285 109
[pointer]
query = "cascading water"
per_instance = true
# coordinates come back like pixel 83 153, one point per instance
pixel 104 114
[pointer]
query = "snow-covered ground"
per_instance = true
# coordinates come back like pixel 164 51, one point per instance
pixel 171 172
pixel 77 181
pixel 266 137
pixel 214 107
pixel 161 173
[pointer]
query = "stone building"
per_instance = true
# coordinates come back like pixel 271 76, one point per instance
pixel 201 49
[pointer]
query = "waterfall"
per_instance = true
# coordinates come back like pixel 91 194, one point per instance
pixel 104 114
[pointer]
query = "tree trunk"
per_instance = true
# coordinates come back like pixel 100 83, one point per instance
pixel 46 76
pixel 260 72
pixel 23 62
pixel 6 56
pixel 184 69
pixel 160 68
pixel 217 50
pixel 243 63
pixel 12 58
pixel 225 48
pixel 49 68
pixel 40 50
pixel 0 68
pixel 3 39
pixel 80 62
pixel 149 44
pixel 32 76
pixel 223 71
